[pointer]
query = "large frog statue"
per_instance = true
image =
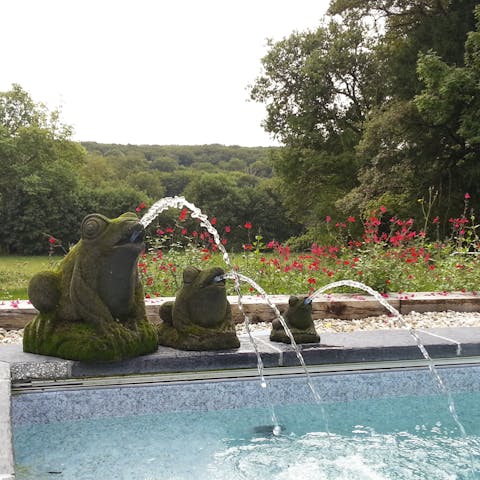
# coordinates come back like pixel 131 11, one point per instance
pixel 299 320
pixel 201 317
pixel 92 306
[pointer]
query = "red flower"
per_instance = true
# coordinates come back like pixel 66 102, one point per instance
pixel 52 240
pixel 183 214
pixel 140 207
pixel 436 219
pixel 213 221
pixel 328 218
pixel 248 225
pixel 383 209
pixel 184 231
pixel 311 281
pixel 351 219
pixel 467 196
pixel 227 229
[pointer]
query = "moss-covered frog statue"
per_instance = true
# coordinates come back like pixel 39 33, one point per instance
pixel 299 320
pixel 92 308
pixel 201 317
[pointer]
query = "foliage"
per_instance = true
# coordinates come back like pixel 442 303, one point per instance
pixel 376 106
pixel 387 253
pixel 49 183
pixel 38 184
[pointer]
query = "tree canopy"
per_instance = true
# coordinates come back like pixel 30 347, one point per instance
pixel 49 182
pixel 378 105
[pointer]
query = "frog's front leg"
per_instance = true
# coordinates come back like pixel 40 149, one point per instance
pixel 87 303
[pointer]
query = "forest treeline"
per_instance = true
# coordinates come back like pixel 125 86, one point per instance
pixel 377 107
pixel 49 182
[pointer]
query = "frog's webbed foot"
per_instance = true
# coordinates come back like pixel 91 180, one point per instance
pixel 166 312
pixel 44 291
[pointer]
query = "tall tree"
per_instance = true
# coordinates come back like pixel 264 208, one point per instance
pixel 318 88
pixel 414 142
pixel 38 187
pixel 353 111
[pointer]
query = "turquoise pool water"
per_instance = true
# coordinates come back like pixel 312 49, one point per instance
pixel 411 437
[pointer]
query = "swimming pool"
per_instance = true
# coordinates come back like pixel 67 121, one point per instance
pixel 374 425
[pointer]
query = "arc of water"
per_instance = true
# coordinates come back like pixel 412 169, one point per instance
pixel 179 202
pixel 411 331
pixel 195 212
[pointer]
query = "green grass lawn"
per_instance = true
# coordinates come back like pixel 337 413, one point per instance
pixel 16 271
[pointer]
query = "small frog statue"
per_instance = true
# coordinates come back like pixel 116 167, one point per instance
pixel 201 317
pixel 299 320
pixel 92 308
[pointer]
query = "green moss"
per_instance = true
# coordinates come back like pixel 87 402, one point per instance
pixel 193 337
pixel 92 305
pixel 298 318
pixel 201 317
pixel 80 341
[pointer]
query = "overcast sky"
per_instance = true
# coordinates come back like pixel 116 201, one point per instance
pixel 149 71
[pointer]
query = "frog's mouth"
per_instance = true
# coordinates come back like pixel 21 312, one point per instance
pixel 216 279
pixel 133 236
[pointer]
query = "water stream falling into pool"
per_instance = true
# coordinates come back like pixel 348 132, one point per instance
pixel 181 202
pixel 195 212
pixel 414 334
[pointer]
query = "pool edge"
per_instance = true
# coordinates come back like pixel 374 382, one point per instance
pixel 7 463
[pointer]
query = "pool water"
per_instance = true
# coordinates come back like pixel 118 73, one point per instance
pixel 386 438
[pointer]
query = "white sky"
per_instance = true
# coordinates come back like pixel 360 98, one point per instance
pixel 148 71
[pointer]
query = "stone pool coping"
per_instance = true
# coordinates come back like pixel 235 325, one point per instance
pixel 333 349
pixel 7 464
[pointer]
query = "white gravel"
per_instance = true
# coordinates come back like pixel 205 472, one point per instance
pixel 414 320
pixel 11 336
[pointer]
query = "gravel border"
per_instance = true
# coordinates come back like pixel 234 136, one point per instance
pixel 448 319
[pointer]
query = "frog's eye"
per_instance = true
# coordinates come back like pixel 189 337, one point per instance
pixel 93 225
pixel 189 274
pixel 293 300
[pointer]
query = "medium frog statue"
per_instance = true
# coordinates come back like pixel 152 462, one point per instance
pixel 201 317
pixel 92 308
pixel 299 320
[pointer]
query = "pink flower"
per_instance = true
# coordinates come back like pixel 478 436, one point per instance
pixel 383 208
pixel 248 225
pixel 328 218
pixel 52 240
pixel 213 221
pixel 467 196
pixel 227 229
